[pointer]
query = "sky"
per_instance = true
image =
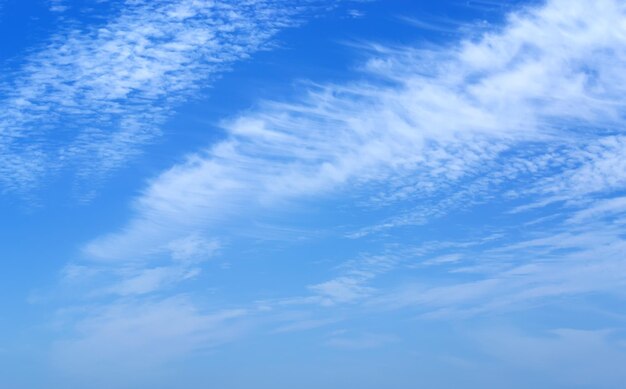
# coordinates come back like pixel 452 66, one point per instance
pixel 312 194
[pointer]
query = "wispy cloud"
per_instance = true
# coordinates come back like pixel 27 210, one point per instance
pixel 130 337
pixel 537 101
pixel 360 342
pixel 58 5
pixel 433 120
pixel 589 357
pixel 521 275
pixel 103 91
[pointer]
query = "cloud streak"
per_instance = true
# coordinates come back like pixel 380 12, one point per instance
pixel 433 120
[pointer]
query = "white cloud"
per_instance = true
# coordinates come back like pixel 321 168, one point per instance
pixel 92 95
pixel 193 248
pixel 57 6
pixel 341 290
pixel 446 114
pixel 355 13
pixel 609 207
pixel 147 280
pixel 507 277
pixel 183 261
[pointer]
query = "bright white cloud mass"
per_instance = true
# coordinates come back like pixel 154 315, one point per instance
pixel 449 210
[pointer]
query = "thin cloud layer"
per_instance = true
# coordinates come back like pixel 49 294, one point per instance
pixel 93 95
pixel 138 326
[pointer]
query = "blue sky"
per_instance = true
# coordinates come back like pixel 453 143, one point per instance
pixel 312 194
